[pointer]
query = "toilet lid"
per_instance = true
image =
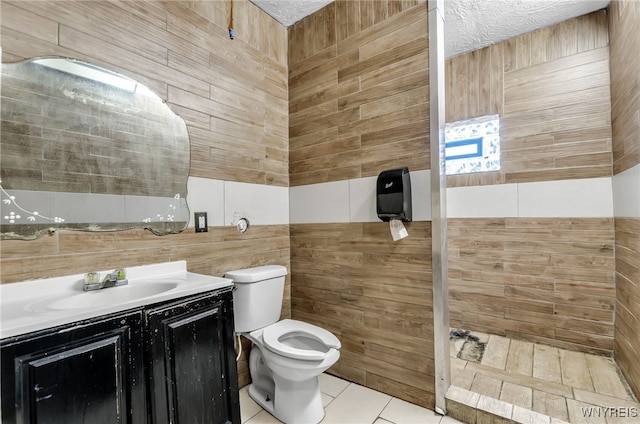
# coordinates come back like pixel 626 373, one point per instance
pixel 274 333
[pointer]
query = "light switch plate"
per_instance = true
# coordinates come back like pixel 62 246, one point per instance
pixel 200 218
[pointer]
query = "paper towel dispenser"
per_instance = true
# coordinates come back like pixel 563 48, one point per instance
pixel 393 195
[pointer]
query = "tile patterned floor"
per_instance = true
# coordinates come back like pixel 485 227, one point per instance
pixel 514 381
pixel 350 403
pixel 541 383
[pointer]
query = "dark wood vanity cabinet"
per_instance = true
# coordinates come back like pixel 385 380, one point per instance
pixel 87 372
pixel 168 363
pixel 188 342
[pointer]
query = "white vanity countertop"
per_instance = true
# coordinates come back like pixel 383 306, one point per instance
pixel 39 304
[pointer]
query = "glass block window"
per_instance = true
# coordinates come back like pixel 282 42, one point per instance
pixel 473 145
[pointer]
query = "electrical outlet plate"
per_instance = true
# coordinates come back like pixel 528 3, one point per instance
pixel 200 218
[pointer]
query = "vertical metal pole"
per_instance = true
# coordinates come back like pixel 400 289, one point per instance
pixel 438 204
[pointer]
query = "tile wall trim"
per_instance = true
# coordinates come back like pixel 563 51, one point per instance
pixel 579 198
pixel 226 201
pixel 626 193
pixel 354 200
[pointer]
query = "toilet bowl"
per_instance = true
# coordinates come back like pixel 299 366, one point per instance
pixel 299 350
pixel 293 360
pixel 286 356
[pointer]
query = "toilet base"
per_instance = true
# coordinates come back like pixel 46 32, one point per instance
pixel 265 400
pixel 293 402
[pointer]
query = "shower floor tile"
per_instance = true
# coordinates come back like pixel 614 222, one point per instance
pixel 555 383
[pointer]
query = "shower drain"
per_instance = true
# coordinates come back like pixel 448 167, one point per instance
pixel 472 349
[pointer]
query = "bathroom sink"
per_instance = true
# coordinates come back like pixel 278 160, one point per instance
pixel 100 298
pixel 35 305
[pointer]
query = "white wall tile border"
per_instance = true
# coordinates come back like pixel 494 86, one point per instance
pixel 354 200
pixel 260 204
pixel 320 203
pixel 483 201
pixel 582 198
pixel 420 195
pixel 626 193
pixel 226 201
pixel 362 205
pixel 206 195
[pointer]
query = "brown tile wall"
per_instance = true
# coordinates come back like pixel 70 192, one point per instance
pixel 358 91
pixel 551 90
pixel 627 329
pixel 358 104
pixel 624 25
pixel 546 280
pixel 375 295
pixel 231 93
pixel 213 253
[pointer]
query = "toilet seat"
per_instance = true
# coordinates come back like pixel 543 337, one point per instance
pixel 275 336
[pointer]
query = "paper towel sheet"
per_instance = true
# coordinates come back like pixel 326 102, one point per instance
pixel 397 229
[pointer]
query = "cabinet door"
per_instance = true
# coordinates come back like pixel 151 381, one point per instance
pixel 193 376
pixel 89 372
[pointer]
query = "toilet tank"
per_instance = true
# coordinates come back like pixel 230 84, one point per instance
pixel 257 300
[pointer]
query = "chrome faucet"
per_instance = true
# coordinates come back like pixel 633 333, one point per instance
pixel 111 279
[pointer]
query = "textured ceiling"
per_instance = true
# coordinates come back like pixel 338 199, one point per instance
pixel 288 12
pixel 469 24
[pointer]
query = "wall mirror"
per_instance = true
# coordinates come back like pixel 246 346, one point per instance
pixel 86 148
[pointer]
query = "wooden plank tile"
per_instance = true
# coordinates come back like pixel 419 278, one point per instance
pixel 487 386
pixel 550 404
pixel 39 26
pixel 496 352
pixel 546 363
pixel 497 79
pixel 464 379
pixel 418 396
pixel 522 380
pixel 523 415
pixel 573 365
pixel 627 344
pixel 605 376
pixel 517 395
pixel 491 410
pixel 622 24
pixel 604 400
pixel 520 358
pixel 539 40
pixel 463 396
pixel 523 51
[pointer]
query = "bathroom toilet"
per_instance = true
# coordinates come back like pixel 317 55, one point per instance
pixel 286 356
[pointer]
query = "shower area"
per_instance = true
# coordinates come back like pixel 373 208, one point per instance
pixel 534 336
pixel 532 382
pixel 544 256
